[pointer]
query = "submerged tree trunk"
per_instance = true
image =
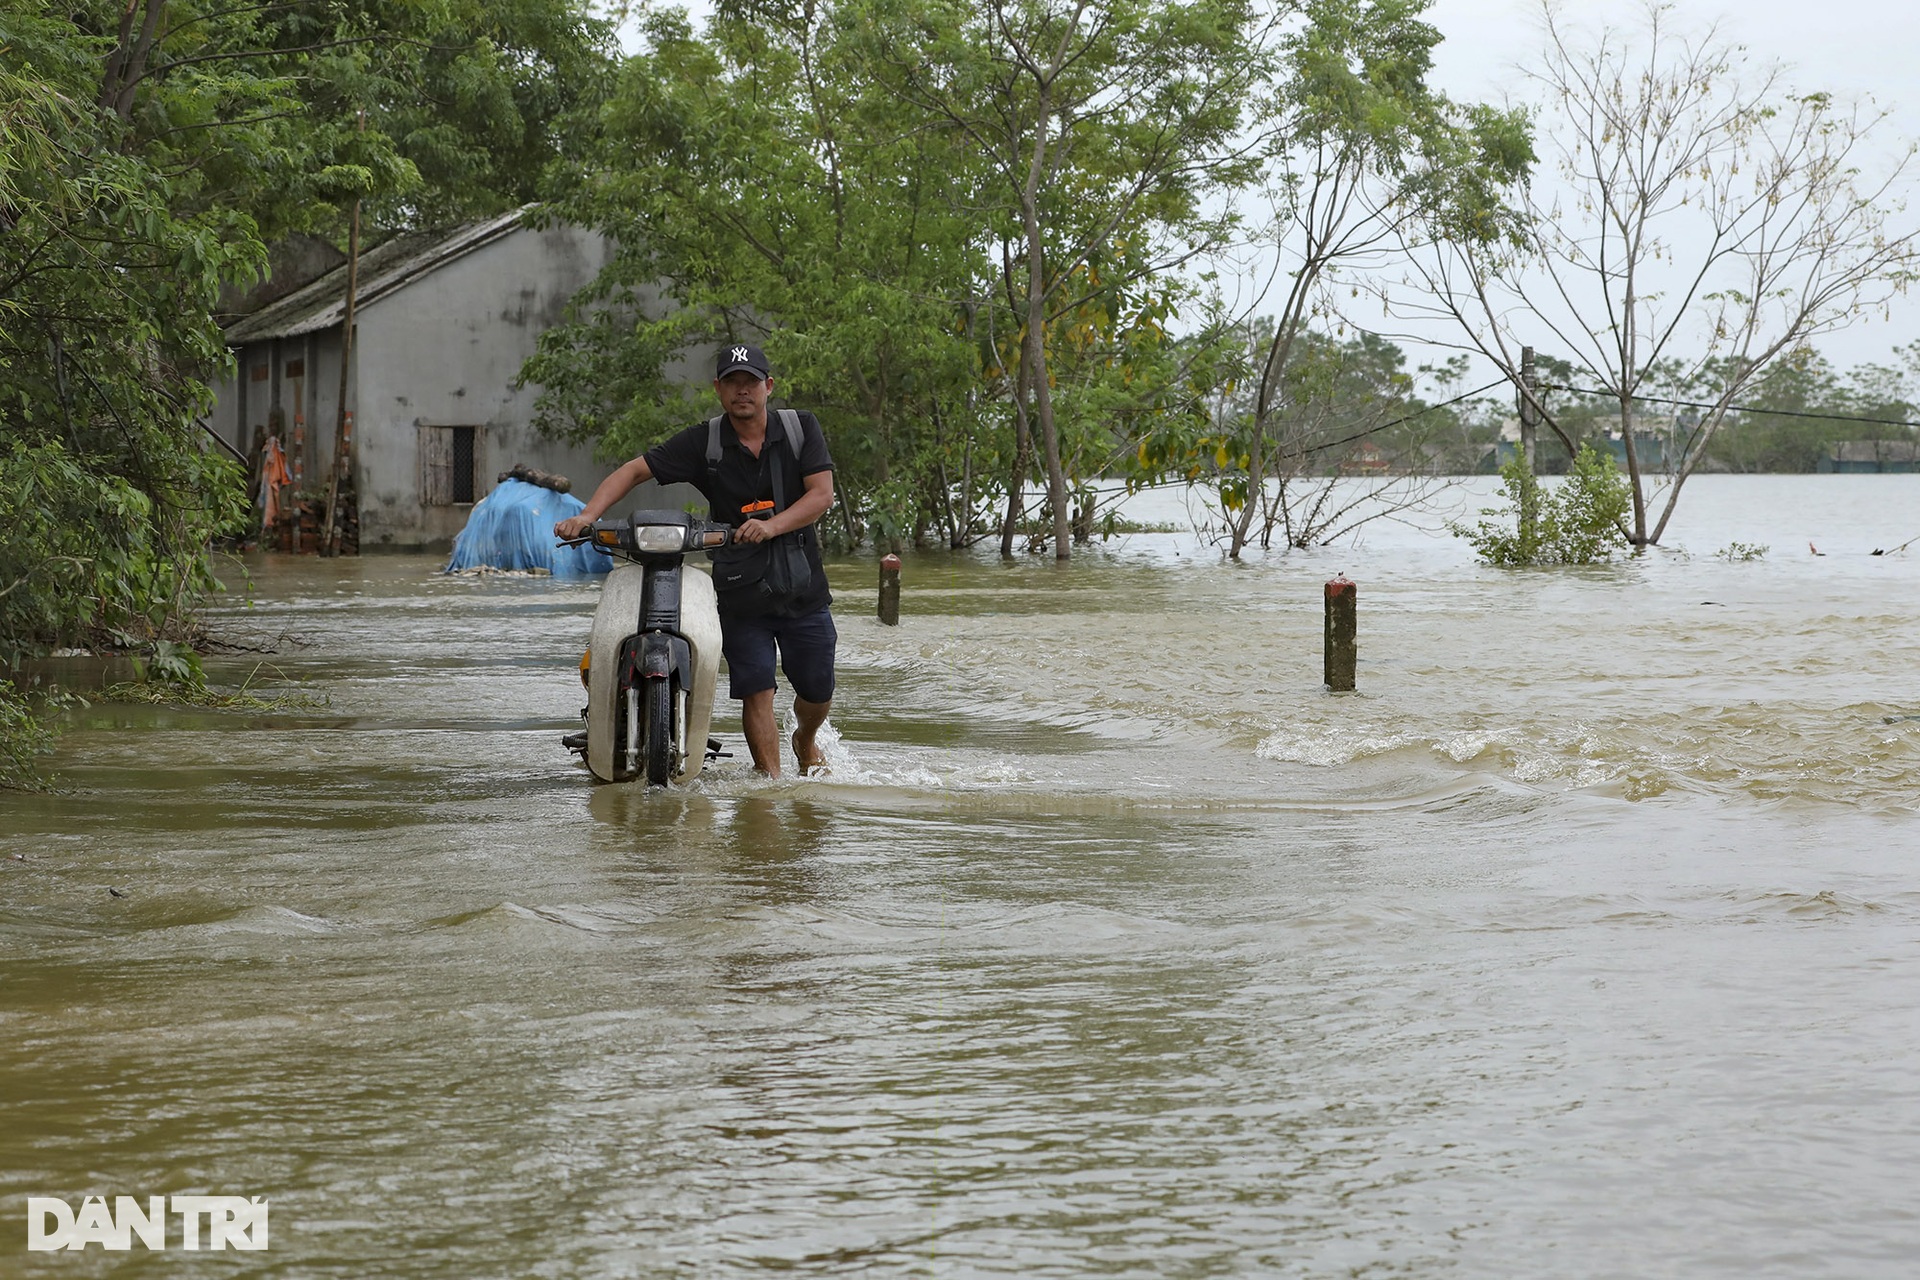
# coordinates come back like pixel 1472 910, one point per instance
pixel 1036 346
pixel 1022 459
pixel 1639 536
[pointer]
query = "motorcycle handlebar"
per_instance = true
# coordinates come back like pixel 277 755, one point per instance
pixel 608 536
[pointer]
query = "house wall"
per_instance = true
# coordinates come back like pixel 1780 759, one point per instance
pixel 441 350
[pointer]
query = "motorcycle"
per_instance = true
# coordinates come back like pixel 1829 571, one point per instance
pixel 654 651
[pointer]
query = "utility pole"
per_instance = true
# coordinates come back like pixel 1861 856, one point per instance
pixel 343 424
pixel 1529 406
pixel 1529 428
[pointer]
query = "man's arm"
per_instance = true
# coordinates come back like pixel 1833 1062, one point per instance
pixel 611 490
pixel 813 503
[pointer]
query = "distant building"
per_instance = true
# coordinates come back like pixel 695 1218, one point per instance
pixel 1649 446
pixel 1366 458
pixel 442 321
pixel 1866 456
pixel 1660 442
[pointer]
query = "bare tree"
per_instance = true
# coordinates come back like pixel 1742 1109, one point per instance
pixel 1339 440
pixel 1707 220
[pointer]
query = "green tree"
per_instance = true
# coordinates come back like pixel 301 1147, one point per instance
pixel 757 184
pixel 146 146
pixel 106 340
pixel 1357 442
pixel 1776 430
pixel 1104 130
pixel 431 110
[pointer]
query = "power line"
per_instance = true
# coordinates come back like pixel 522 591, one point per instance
pixel 1319 445
pixel 1322 444
pixel 1444 404
pixel 1741 408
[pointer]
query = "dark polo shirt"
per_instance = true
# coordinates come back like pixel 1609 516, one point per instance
pixel 741 479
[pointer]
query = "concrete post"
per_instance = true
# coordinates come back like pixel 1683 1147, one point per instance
pixel 1529 408
pixel 890 590
pixel 1342 628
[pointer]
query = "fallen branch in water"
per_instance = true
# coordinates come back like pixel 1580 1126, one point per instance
pixel 256 642
pixel 1897 550
pixel 162 693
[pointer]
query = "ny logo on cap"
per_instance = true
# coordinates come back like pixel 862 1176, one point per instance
pixel 739 353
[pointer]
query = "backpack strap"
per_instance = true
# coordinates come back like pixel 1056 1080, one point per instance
pixel 789 422
pixel 790 430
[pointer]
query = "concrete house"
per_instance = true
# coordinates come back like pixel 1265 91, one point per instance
pixel 442 322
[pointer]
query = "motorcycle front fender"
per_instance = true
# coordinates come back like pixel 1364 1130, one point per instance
pixel 664 656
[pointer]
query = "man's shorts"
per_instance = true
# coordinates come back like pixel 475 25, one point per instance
pixel 806 646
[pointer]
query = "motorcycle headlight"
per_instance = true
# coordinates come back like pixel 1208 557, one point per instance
pixel 659 539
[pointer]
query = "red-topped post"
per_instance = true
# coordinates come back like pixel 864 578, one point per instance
pixel 890 590
pixel 1342 629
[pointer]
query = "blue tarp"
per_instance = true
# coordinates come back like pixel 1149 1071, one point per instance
pixel 512 528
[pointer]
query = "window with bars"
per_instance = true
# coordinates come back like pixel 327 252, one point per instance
pixel 449 465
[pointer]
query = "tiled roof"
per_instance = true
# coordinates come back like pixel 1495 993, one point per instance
pixel 392 265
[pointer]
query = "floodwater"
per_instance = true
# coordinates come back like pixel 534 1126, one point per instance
pixel 1584 940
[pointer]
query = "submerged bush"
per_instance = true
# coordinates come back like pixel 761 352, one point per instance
pixel 23 739
pixel 1576 522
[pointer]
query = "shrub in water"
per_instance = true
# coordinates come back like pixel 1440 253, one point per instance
pixel 1576 522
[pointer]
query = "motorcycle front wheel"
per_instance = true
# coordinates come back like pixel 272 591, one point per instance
pixel 658 742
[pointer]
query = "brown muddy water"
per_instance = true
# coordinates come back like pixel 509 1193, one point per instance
pixel 1583 941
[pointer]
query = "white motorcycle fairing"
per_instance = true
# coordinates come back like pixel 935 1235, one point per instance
pixel 618 617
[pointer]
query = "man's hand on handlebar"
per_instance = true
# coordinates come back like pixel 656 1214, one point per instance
pixel 752 531
pixel 573 528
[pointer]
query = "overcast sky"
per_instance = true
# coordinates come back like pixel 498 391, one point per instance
pixel 1841 46
pixel 1850 48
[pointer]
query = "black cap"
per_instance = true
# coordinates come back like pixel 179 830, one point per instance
pixel 736 356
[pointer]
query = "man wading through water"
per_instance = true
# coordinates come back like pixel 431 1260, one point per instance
pixel 769 476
